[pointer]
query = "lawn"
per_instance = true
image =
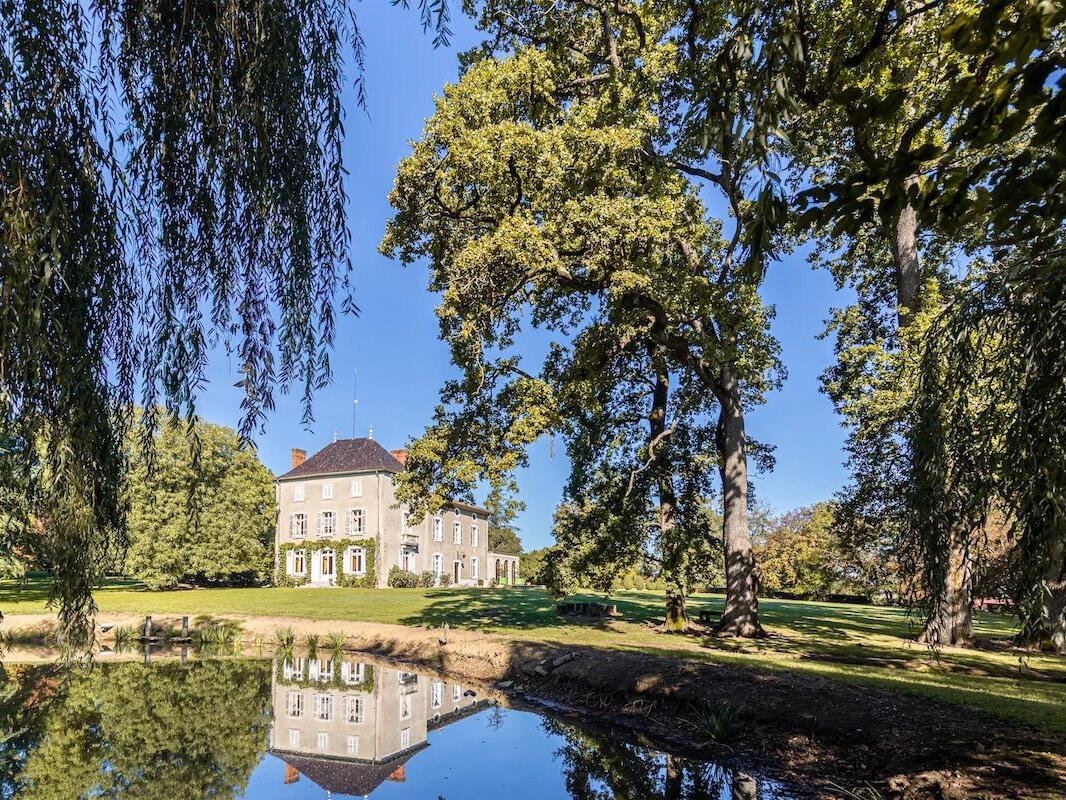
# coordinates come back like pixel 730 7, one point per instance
pixel 870 645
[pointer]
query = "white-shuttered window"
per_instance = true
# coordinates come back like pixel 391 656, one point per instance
pixel 438 529
pixel 296 562
pixel 357 487
pixel 324 707
pixel 297 525
pixel 327 523
pixel 355 521
pixel 353 710
pixel 474 537
pixel 353 744
pixel 327 490
pixel 457 532
pixel 294 704
pixel 298 493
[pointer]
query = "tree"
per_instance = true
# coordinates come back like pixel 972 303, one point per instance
pixel 203 519
pixel 557 181
pixel 131 731
pixel 503 535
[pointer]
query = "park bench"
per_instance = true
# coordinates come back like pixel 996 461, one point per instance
pixel 586 610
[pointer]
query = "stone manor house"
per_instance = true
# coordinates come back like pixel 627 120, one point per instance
pixel 339 525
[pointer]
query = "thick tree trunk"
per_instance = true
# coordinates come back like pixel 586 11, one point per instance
pixel 904 237
pixel 659 442
pixel 1056 581
pixel 951 623
pixel 740 617
pixel 675 778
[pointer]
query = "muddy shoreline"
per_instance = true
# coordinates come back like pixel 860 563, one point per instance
pixel 816 735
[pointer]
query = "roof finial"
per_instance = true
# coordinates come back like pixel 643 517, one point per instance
pixel 334 434
pixel 370 436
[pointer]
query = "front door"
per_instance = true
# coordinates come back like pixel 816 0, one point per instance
pixel 327 566
pixel 455 567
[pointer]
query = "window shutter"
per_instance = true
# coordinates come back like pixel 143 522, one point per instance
pixel 292 525
pixel 318 523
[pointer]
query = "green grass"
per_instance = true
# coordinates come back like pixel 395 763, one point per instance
pixel 869 645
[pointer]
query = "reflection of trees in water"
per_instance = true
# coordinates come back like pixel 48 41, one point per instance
pixel 142 733
pixel 600 767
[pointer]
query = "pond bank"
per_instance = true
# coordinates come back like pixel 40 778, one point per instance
pixel 813 730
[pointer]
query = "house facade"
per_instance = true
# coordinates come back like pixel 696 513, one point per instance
pixel 339 524
pixel 349 726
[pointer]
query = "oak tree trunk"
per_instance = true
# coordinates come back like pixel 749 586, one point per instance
pixel 659 442
pixel 740 617
pixel 1056 605
pixel 951 623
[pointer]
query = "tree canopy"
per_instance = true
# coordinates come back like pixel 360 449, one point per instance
pixel 203 520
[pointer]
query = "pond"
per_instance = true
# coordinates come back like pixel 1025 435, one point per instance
pixel 304 727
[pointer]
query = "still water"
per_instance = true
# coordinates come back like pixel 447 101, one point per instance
pixel 305 728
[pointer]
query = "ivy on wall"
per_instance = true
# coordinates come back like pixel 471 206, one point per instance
pixel 337 682
pixel 339 546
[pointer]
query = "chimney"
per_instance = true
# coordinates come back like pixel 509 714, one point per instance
pixel 399 775
pixel 298 457
pixel 399 455
pixel 291 774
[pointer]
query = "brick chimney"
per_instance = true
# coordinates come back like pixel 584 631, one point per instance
pixel 291 774
pixel 399 455
pixel 298 457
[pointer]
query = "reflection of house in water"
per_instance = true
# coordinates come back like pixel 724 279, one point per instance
pixel 349 726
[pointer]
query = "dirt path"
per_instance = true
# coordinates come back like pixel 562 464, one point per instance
pixel 808 729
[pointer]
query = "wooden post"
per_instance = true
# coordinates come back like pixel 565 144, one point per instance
pixel 147 627
pixel 184 627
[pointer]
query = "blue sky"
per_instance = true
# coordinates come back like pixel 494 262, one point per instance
pixel 400 361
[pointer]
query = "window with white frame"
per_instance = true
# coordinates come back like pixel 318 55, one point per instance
pixel 298 525
pixel 324 707
pixel 436 695
pixel 327 523
pixel 352 672
pixel 298 669
pixel 325 670
pixel 457 532
pixel 405 706
pixel 294 704
pixel 405 738
pixel 438 529
pixel 473 569
pixel 294 737
pixel 323 740
pixel 356 521
pixel 457 692
pixel 474 536
pixel 438 564
pixel 296 562
pixel 327 490
pixel 357 487
pixel 353 710
pixel 353 744
pixel 355 561
pixel 298 493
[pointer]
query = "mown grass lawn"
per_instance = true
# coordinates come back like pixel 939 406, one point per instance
pixel 870 645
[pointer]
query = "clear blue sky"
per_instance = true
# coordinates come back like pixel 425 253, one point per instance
pixel 394 346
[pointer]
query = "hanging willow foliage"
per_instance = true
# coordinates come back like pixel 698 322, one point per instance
pixel 170 182
pixel 992 432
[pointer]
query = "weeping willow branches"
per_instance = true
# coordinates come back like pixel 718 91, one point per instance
pixel 992 432
pixel 170 182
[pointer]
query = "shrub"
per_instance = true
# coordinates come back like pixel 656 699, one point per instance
pixel 403 579
pixel 337 640
pixel 312 645
pixel 445 580
pixel 426 579
pixel 720 722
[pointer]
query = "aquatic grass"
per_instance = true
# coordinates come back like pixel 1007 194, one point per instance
pixel 719 722
pixel 125 635
pixel 285 638
pixel 337 640
pixel 312 645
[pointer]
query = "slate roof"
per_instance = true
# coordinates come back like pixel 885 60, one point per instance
pixel 346 455
pixel 341 777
